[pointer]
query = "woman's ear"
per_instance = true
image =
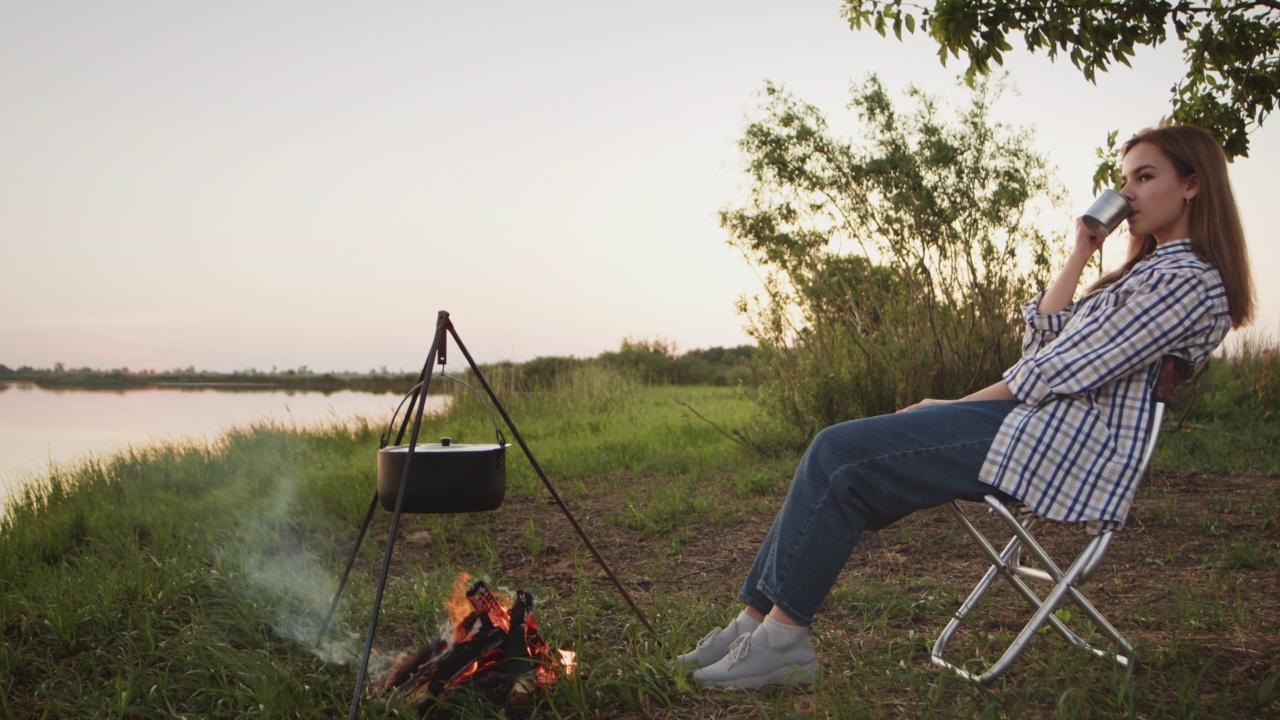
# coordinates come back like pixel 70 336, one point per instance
pixel 1192 188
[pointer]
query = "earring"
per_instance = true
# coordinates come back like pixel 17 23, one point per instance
pixel 1186 201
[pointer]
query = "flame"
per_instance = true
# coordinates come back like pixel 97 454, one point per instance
pixel 549 664
pixel 457 604
pixel 569 659
pixel 459 607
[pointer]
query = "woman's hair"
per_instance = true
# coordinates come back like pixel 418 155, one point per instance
pixel 1217 236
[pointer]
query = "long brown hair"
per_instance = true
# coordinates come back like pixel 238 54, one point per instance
pixel 1217 236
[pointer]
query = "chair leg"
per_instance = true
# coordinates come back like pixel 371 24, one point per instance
pixel 1007 564
pixel 939 647
pixel 1085 564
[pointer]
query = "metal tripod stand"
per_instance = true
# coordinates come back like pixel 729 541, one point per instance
pixel 437 353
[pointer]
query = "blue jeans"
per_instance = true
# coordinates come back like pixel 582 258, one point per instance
pixel 866 475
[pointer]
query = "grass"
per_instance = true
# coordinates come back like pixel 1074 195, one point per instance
pixel 1228 419
pixel 176 581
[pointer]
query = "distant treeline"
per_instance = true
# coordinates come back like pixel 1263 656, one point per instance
pixel 648 361
pixel 652 362
pixel 125 379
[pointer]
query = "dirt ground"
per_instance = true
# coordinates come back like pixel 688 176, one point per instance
pixel 1193 543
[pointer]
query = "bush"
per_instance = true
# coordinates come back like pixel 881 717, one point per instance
pixel 895 268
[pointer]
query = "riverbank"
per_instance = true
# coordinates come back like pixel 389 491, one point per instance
pixel 171 581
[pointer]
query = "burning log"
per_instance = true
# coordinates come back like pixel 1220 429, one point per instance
pixel 519 665
pixel 498 650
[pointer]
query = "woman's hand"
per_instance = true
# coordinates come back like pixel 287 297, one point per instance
pixel 1086 243
pixel 925 403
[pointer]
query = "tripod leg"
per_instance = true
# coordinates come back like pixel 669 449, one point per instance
pixel 441 322
pixel 346 573
pixel 550 489
pixel 377 606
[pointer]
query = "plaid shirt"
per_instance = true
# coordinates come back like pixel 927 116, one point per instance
pixel 1072 449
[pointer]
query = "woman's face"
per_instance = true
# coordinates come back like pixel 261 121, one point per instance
pixel 1159 195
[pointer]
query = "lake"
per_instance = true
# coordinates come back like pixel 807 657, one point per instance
pixel 39 427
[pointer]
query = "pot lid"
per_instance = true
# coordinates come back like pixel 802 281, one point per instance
pixel 446 448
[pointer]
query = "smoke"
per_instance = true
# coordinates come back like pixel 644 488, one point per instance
pixel 291 587
pixel 302 593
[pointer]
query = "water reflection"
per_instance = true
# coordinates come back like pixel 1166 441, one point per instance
pixel 40 427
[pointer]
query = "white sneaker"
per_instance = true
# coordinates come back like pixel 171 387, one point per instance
pixel 708 650
pixel 752 663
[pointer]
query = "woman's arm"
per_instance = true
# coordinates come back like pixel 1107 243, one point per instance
pixel 998 390
pixel 1161 314
pixel 1063 290
pixel 1153 313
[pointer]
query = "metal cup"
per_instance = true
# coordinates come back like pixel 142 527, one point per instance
pixel 1106 213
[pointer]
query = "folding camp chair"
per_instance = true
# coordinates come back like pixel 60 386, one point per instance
pixel 1008 563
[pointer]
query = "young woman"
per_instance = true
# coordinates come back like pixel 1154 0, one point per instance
pixel 1063 431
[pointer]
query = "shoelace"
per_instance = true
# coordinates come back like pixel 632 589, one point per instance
pixel 710 638
pixel 738 649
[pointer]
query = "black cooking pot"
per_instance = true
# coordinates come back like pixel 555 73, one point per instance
pixel 445 477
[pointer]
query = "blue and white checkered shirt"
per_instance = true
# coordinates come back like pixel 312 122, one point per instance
pixel 1072 449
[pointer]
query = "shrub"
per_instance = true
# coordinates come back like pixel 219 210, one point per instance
pixel 894 268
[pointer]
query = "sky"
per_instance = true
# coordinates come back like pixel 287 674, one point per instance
pixel 283 184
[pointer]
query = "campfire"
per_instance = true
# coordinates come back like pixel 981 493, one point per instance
pixel 492 644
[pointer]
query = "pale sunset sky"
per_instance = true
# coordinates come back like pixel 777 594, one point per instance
pixel 275 184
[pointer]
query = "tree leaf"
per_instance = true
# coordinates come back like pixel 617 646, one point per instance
pixel 1232 49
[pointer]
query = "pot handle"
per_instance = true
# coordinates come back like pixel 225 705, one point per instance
pixel 502 440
